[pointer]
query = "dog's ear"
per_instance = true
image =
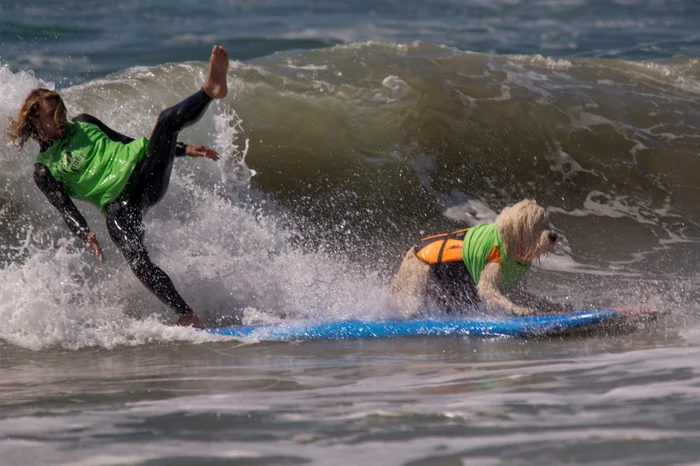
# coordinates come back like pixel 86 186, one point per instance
pixel 509 227
pixel 521 227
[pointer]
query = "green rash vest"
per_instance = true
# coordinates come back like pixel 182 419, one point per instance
pixel 478 243
pixel 90 165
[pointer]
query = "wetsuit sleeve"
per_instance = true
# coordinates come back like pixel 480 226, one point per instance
pixel 180 148
pixel 59 198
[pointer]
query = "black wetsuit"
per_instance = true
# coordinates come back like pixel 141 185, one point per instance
pixel 147 185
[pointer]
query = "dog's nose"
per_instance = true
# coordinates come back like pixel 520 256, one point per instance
pixel 552 237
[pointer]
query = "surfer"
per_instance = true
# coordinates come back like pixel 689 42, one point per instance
pixel 124 177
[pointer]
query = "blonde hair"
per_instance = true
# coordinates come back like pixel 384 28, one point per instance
pixel 22 129
pixel 521 227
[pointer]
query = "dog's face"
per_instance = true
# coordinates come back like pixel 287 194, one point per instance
pixel 526 230
pixel 546 241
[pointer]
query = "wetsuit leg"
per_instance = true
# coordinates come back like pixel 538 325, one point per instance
pixel 125 227
pixel 153 180
pixel 124 217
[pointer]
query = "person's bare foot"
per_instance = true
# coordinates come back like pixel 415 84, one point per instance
pixel 190 319
pixel 215 85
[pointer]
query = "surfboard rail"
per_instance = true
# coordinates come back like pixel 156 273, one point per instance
pixel 513 326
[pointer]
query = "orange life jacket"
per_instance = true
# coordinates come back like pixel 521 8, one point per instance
pixel 437 249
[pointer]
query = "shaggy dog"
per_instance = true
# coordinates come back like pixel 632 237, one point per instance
pixel 485 263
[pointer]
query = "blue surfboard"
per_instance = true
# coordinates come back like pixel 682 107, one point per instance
pixel 514 326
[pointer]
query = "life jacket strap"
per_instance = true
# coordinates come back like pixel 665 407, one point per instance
pixel 446 247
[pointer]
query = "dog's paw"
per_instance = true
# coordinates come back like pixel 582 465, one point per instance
pixel 520 311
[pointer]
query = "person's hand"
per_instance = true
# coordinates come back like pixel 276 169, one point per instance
pixel 190 320
pixel 201 151
pixel 92 242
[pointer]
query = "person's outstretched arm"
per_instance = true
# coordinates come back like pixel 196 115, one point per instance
pixel 180 148
pixel 59 198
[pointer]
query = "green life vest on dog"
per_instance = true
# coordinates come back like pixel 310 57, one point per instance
pixel 475 247
pixel 478 248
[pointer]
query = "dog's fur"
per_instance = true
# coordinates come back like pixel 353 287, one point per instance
pixel 526 233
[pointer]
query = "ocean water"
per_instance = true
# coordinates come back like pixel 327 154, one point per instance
pixel 351 130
